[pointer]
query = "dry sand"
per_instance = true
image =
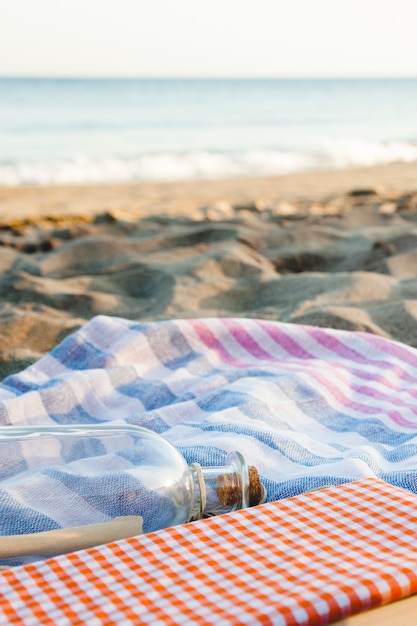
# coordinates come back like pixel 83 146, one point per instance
pixel 335 249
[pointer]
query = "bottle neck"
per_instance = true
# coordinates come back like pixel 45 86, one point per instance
pixel 225 488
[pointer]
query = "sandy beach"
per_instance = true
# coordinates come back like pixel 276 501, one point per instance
pixel 334 249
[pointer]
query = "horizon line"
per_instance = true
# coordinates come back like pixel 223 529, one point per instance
pixel 196 77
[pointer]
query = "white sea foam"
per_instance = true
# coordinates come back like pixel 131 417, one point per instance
pixel 357 152
pixel 204 164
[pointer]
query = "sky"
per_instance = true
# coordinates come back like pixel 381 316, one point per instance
pixel 208 38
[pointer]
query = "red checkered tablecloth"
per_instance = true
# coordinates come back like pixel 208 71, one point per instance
pixel 310 559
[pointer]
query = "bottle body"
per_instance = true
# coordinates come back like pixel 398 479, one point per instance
pixel 69 475
pixel 57 477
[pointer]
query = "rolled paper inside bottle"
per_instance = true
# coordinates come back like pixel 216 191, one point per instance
pixel 63 540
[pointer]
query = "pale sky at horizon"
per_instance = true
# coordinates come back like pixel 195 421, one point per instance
pixel 203 38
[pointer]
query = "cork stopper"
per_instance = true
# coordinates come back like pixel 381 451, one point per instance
pixel 229 489
pixel 256 491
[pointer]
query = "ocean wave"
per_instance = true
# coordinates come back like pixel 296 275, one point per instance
pixel 204 164
pixel 357 152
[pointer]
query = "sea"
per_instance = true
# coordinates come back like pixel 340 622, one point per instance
pixel 95 130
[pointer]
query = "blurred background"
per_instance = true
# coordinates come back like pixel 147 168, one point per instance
pixel 127 90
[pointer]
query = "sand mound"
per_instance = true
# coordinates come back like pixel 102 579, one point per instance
pixel 346 261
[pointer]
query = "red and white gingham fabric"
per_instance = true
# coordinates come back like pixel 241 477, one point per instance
pixel 310 559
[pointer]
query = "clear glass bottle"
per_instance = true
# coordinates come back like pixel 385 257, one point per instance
pixel 54 477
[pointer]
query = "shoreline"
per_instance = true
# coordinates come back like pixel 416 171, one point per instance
pixel 180 199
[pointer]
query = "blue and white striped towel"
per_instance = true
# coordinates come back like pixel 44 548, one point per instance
pixel 307 406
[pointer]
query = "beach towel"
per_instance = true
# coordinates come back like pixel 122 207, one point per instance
pixel 307 406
